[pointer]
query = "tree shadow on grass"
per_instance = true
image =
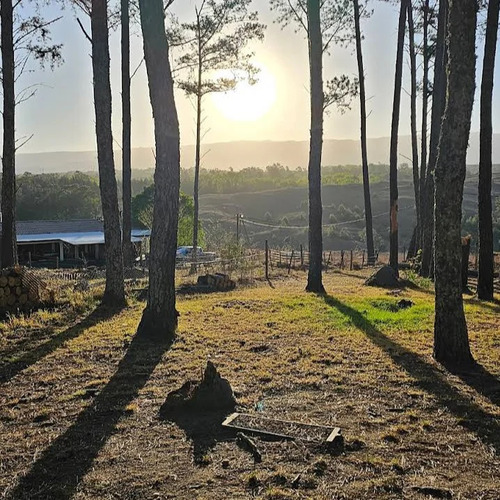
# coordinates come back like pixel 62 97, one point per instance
pixel 10 369
pixel 204 430
pixel 428 377
pixel 352 275
pixel 57 472
pixel 484 382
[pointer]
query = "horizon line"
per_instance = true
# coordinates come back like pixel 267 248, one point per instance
pixel 249 141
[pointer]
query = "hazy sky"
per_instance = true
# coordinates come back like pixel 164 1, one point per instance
pixel 61 116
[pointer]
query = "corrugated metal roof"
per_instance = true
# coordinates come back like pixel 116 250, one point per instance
pixel 92 238
pixel 33 227
pixel 74 232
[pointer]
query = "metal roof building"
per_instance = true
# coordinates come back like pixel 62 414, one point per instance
pixel 61 240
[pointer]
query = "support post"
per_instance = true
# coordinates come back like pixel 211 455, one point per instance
pixel 238 229
pixel 301 257
pixel 61 251
pixel 350 264
pixel 290 265
pixel 267 261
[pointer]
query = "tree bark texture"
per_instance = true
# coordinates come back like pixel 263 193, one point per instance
pixel 425 108
pixel 197 164
pixel 126 137
pixel 9 240
pixel 438 104
pixel 413 114
pixel 160 315
pixel 364 150
pixel 485 287
pixel 451 342
pixel 393 162
pixel 314 279
pixel 114 293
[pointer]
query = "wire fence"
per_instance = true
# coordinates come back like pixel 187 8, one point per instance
pixel 245 265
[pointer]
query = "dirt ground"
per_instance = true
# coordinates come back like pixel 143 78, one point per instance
pixel 81 398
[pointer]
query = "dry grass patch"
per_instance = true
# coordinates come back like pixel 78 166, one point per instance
pixel 81 417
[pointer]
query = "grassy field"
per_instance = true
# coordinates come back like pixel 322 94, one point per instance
pixel 81 397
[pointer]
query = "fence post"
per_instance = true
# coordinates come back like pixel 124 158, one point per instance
pixel 267 261
pixel 29 259
pixel 363 262
pixel 328 261
pixel 237 229
pixel 342 259
pixel 57 262
pixel 301 257
pixel 350 264
pixel 290 265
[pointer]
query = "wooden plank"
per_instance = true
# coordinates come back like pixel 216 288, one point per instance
pixel 231 422
pixel 230 419
pixel 333 435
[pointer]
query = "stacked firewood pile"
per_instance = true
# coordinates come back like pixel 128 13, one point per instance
pixel 22 290
pixel 216 281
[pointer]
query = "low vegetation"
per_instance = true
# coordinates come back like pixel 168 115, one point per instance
pixel 81 398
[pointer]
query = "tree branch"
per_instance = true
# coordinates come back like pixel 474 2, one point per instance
pixel 83 29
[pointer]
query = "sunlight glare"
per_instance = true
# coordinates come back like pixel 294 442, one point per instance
pixel 248 102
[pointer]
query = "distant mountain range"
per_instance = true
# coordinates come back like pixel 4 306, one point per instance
pixel 242 154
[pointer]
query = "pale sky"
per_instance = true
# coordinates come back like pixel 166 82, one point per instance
pixel 61 115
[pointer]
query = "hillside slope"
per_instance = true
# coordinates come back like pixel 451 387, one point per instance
pixel 288 206
pixel 241 154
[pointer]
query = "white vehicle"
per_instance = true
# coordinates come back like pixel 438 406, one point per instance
pixel 186 253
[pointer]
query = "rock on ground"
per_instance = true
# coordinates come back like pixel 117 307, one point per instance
pixel 384 277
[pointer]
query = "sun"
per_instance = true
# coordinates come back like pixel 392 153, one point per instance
pixel 248 103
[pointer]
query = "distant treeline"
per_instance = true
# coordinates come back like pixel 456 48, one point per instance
pixel 76 195
pixel 276 177
pixel 57 196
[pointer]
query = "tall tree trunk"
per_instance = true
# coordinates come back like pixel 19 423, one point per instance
pixel 196 190
pixel 160 315
pixel 9 240
pixel 486 266
pixel 438 103
pixel 114 293
pixel 451 342
pixel 126 137
pixel 425 108
pixel 393 164
pixel 364 150
pixel 314 279
pixel 413 114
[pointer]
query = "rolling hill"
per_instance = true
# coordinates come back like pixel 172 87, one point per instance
pixel 241 154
